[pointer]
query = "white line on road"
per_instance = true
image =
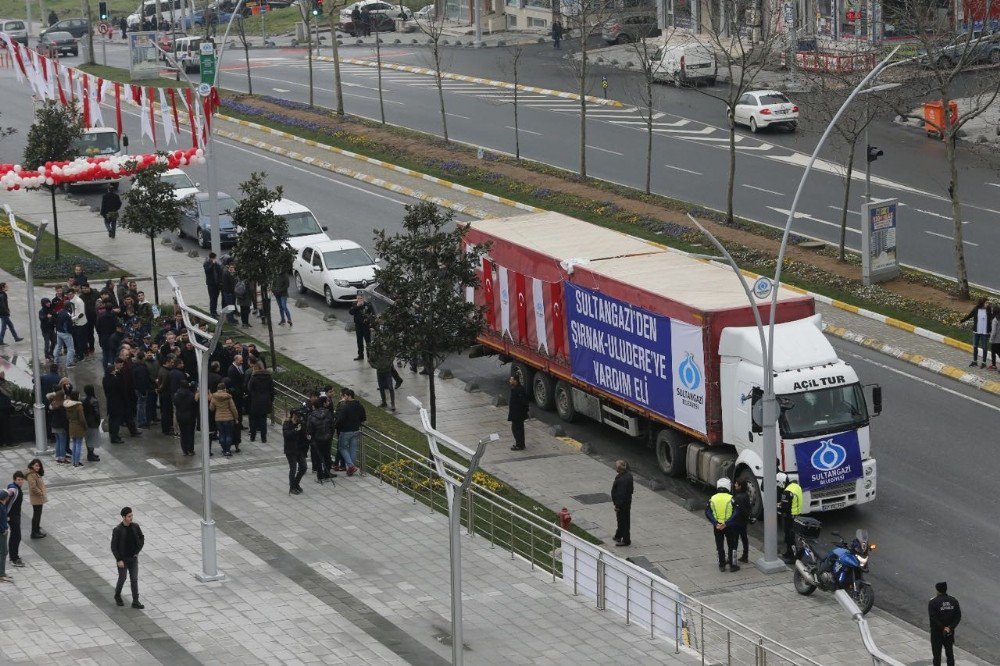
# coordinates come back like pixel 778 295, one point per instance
pixel 938 215
pixel 839 209
pixel 806 216
pixel 456 115
pixel 691 132
pixel 993 184
pixel 677 168
pixel 763 189
pixel 156 463
pixel 926 382
pixel 280 90
pixel 951 238
pixel 605 150
pixel 521 129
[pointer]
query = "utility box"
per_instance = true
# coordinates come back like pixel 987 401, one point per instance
pixel 934 117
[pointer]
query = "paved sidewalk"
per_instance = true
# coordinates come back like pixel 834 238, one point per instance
pixel 555 473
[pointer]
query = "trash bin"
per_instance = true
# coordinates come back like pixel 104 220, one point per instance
pixel 934 116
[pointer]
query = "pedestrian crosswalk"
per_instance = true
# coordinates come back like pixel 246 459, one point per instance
pixel 631 117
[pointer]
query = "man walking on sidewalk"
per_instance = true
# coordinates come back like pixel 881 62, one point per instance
pixel 5 321
pixel 111 203
pixel 517 412
pixel 126 543
pixel 621 497
pixel 6 497
pixel 14 518
pixel 945 614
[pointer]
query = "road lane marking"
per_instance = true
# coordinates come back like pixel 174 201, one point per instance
pixel 839 209
pixel 993 184
pixel 456 115
pixel 280 90
pixel 939 215
pixel 677 168
pixel 521 129
pixel 605 150
pixel 951 238
pixel 686 132
pixel 806 216
pixel 156 463
pixel 763 189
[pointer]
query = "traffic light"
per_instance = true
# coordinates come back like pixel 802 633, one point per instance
pixel 102 10
pixel 317 7
pixel 873 153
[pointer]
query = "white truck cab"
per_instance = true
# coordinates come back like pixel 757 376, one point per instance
pixel 823 425
pixel 100 142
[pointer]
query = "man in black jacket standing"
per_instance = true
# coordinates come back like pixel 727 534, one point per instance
pixel 363 313
pixel 945 614
pixel 116 399
pixel 126 543
pixel 111 203
pixel 213 280
pixel 621 497
pixel 517 412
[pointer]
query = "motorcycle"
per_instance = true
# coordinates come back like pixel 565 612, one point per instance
pixel 841 567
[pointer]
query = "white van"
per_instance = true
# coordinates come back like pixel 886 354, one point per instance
pixel 303 228
pixel 685 65
pixel 148 9
pixel 187 53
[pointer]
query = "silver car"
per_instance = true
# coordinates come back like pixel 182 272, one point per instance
pixel 196 222
pixel 16 29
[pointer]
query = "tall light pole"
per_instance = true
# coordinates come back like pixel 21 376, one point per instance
pixel 457 477
pixel 204 341
pixel 477 17
pixel 27 249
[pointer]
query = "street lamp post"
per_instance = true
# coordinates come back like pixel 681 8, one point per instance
pixel 457 477
pixel 477 14
pixel 27 249
pixel 204 341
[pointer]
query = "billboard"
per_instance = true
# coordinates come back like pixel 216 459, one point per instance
pixel 644 358
pixel 144 59
pixel 878 241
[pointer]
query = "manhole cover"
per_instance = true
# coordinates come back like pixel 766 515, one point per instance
pixel 593 498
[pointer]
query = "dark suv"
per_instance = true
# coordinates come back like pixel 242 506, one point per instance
pixel 78 27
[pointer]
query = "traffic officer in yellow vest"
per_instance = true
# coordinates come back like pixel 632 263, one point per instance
pixel 789 507
pixel 722 512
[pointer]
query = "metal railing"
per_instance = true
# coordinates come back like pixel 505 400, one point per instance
pixel 614 584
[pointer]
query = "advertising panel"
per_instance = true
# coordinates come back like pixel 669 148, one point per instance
pixel 878 241
pixel 829 460
pixel 144 60
pixel 642 357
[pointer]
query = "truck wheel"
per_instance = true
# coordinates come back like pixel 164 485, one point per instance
pixel 670 453
pixel 523 374
pixel 564 402
pixel 541 389
pixel 749 481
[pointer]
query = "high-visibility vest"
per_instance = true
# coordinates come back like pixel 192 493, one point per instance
pixel 722 506
pixel 795 490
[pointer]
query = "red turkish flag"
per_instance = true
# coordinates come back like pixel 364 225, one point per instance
pixel 522 307
pixel 556 315
pixel 488 294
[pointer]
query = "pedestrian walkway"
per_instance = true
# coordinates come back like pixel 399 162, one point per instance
pixel 557 473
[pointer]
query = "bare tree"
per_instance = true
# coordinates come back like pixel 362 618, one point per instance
pixel 949 58
pixel 307 19
pixel 241 32
pixel 741 40
pixel 378 67
pixel 583 17
pixel 647 49
pixel 510 63
pixel 434 29
pixel 335 44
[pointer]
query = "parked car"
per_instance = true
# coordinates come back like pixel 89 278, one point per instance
pixel 197 223
pixel 183 186
pixel 166 42
pixel 187 53
pixel 382 15
pixel 423 16
pixel 685 65
pixel 766 108
pixel 629 28
pixel 303 228
pixel 78 27
pixel 337 269
pixel 975 49
pixel 52 44
pixel 16 29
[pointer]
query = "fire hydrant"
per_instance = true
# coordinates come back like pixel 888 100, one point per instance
pixel 564 518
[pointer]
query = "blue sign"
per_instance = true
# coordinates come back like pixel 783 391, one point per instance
pixel 623 350
pixel 829 460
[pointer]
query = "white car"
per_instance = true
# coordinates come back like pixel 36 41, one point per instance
pixel 183 186
pixel 303 228
pixel 337 269
pixel 766 108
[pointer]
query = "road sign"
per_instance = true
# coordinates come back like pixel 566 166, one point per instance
pixel 204 89
pixel 103 27
pixel 206 61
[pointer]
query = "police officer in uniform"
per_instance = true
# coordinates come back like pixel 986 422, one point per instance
pixel 789 507
pixel 945 614
pixel 722 513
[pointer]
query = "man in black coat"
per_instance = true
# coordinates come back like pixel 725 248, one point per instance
pixel 116 399
pixel 319 429
pixel 363 314
pixel 945 614
pixel 111 203
pixel 213 280
pixel 517 412
pixel 126 544
pixel 186 411
pixel 621 497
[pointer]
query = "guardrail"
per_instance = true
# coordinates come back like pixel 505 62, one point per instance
pixel 613 584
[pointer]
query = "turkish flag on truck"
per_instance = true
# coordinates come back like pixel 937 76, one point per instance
pixel 556 316
pixel 522 307
pixel 488 293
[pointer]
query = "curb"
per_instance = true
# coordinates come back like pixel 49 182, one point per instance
pixel 474 79
pixel 938 367
pixel 371 160
pixel 988 385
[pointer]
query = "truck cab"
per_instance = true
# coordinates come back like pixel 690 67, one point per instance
pixel 100 142
pixel 824 419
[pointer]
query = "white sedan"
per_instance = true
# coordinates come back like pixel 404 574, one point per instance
pixel 766 108
pixel 337 269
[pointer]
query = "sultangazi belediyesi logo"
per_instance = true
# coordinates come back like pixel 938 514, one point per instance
pixel 689 373
pixel 828 456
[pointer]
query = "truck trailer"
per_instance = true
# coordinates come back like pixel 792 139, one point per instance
pixel 663 347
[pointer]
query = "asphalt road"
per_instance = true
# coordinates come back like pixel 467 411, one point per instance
pixel 934 516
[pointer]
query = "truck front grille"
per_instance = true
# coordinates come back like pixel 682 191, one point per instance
pixel 839 490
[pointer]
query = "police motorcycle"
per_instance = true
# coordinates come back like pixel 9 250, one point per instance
pixel 841 566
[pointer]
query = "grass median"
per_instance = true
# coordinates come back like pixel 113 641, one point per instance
pixel 46 267
pixel 386 457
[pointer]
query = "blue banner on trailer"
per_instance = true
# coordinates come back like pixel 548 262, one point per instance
pixel 829 460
